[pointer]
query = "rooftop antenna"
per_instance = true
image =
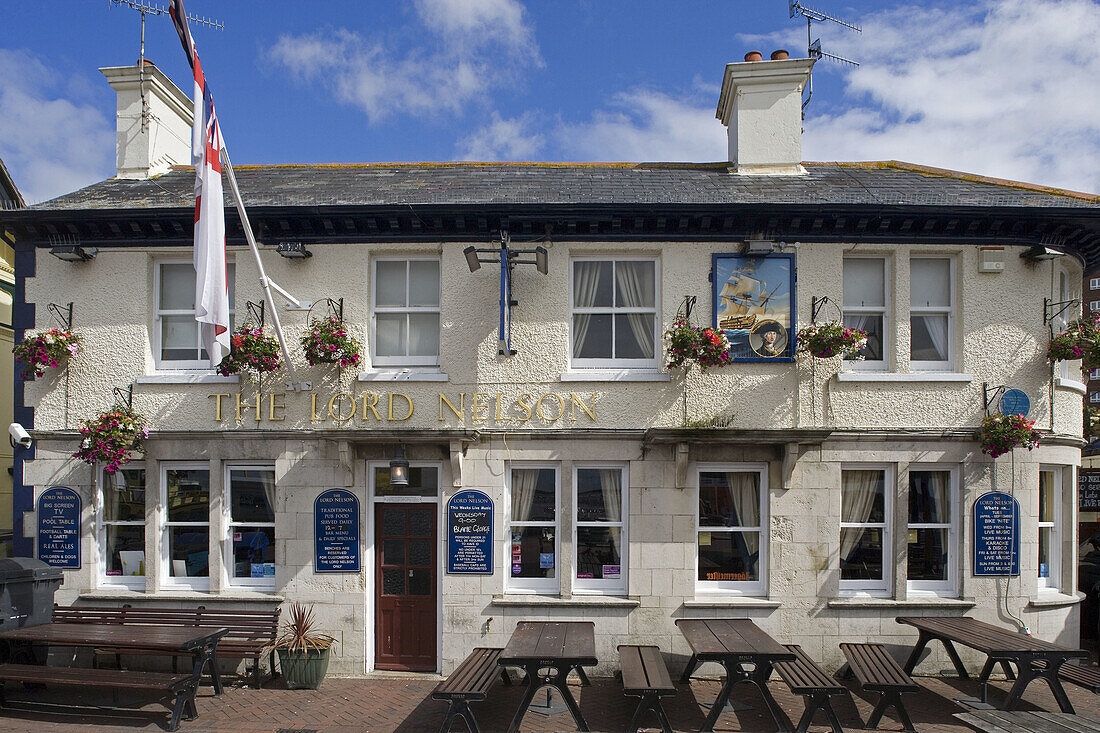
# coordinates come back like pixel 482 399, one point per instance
pixel 813 46
pixel 146 8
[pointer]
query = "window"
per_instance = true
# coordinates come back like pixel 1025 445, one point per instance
pixel 931 313
pixel 250 547
pixel 1050 507
pixel 533 529
pixel 600 528
pixel 1094 397
pixel 731 542
pixel 865 507
pixel 865 305
pixel 614 313
pixel 1094 305
pixel 185 546
pixel 176 340
pixel 932 562
pixel 1094 283
pixel 1059 322
pixel 1094 374
pixel 122 527
pixel 406 312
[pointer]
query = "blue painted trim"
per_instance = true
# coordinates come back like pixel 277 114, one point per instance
pixel 23 315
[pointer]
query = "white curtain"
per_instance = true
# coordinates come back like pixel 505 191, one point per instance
pixel 934 497
pixel 635 285
pixel 858 492
pixel 937 331
pixel 744 492
pixel 611 484
pixel 524 481
pixel 586 280
pixel 267 479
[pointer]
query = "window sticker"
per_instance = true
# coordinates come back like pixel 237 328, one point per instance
pixel 611 571
pixel 546 559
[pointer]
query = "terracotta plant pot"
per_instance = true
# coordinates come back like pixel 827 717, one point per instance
pixel 754 56
pixel 303 670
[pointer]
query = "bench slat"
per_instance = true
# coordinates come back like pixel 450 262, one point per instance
pixel 803 675
pixel 644 670
pixel 876 669
pixel 472 678
pixel 40 674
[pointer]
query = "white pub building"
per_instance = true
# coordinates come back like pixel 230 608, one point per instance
pixel 819 497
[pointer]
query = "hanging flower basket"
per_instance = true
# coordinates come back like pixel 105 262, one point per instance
pixel 705 346
pixel 251 350
pixel 112 437
pixel 830 339
pixel 999 434
pixel 327 342
pixel 46 349
pixel 1080 340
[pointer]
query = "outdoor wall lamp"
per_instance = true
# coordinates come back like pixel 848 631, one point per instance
pixel 293 250
pixel 399 468
pixel 759 247
pixel 73 252
pixel 1038 253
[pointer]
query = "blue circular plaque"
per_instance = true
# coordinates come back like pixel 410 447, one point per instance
pixel 1015 402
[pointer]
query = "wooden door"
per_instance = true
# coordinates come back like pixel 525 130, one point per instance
pixel 405 587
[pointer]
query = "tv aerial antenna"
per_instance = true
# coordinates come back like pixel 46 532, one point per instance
pixel 147 8
pixel 813 46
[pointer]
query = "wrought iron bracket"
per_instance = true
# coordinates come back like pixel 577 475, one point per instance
pixel 991 393
pixel 816 304
pixel 62 314
pixel 1053 309
pixel 687 306
pixel 125 397
pixel 335 306
pixel 256 311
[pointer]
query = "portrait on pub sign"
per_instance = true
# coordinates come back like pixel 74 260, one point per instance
pixel 754 305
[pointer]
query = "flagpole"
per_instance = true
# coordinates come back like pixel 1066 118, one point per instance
pixel 265 283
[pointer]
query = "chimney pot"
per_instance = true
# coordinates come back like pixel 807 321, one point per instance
pixel 780 54
pixel 754 56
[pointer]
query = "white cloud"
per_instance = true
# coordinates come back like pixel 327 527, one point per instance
pixel 503 139
pixel 1006 89
pixel 474 46
pixel 49 144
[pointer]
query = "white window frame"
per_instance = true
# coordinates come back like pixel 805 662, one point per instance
pixel 1094 283
pixel 615 363
pixel 533 586
pixel 1059 322
pixel 188 364
pixel 133 582
pixel 167 580
pixel 1094 374
pixel 883 311
pixel 1094 305
pixel 750 588
pixel 261 584
pixel 944 588
pixel 1094 397
pixel 1051 583
pixel 878 588
pixel 598 586
pixel 950 311
pixel 404 361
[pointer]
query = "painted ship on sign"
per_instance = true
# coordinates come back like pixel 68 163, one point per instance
pixel 744 302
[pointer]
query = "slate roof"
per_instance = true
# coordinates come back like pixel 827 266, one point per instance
pixel 889 183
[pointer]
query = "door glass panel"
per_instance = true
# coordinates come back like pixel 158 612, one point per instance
pixel 393 522
pixel 420 522
pixel 393 581
pixel 420 552
pixel 393 552
pixel 420 581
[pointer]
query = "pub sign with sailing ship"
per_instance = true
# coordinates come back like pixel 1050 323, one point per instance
pixel 753 305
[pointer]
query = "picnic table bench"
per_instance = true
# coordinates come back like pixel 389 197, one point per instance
pixel 1082 675
pixel 877 671
pixel 805 678
pixel 646 676
pixel 469 681
pixel 555 646
pixel 1033 658
pixel 249 633
pixel 1000 721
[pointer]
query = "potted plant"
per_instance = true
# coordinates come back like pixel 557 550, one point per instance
pixel 826 340
pixel 303 652
pixel 1001 433
pixel 251 350
pixel 46 349
pixel 1080 340
pixel 112 437
pixel 705 346
pixel 326 341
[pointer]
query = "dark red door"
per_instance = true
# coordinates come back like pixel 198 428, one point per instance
pixel 405 623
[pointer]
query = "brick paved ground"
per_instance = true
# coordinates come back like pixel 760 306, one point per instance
pixel 344 705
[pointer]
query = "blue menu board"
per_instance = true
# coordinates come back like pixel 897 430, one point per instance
pixel 996 534
pixel 336 532
pixel 470 533
pixel 59 527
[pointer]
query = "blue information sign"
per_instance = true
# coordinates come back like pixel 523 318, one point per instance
pixel 996 534
pixel 59 527
pixel 1015 402
pixel 470 533
pixel 336 532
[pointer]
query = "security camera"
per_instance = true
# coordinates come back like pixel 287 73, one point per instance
pixel 20 435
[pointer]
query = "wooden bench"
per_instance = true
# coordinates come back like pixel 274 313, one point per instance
pixel 1082 675
pixel 183 686
pixel 470 681
pixel 645 676
pixel 877 671
pixel 805 678
pixel 250 633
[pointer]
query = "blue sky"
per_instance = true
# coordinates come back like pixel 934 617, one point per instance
pixel 1005 88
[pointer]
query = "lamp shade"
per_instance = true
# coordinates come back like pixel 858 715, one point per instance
pixel 399 469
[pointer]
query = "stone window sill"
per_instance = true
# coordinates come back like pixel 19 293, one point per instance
pixel 615 375
pixel 892 603
pixel 574 602
pixel 1071 384
pixel 184 378
pixel 403 375
pixel 1054 599
pixel 227 596
pixel 903 377
pixel 731 602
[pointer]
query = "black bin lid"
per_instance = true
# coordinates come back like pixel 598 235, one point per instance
pixel 27 569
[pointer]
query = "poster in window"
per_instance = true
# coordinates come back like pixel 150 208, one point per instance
pixel 754 305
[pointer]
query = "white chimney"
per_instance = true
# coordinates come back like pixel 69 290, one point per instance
pixel 761 105
pixel 143 151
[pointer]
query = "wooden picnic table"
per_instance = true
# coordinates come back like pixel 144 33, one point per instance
pixel 734 643
pixel 1033 658
pixel 1000 721
pixel 554 646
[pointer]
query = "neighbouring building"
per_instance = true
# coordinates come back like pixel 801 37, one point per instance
pixel 820 497
pixel 10 198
